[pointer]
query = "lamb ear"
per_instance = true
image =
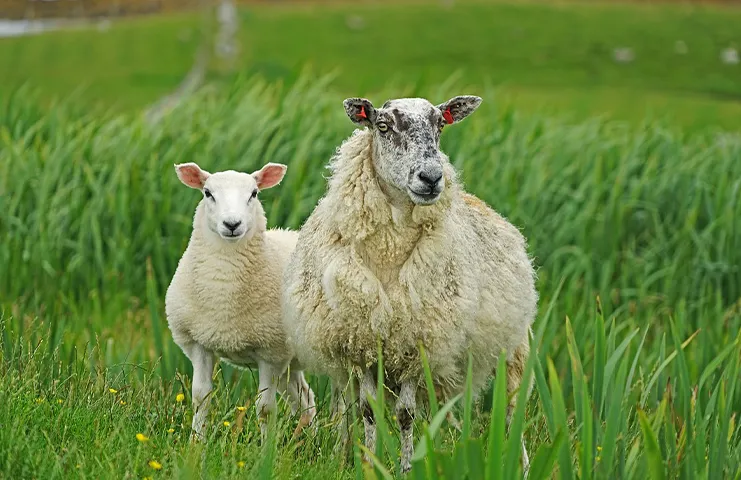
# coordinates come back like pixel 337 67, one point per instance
pixel 458 108
pixel 192 175
pixel 360 111
pixel 270 175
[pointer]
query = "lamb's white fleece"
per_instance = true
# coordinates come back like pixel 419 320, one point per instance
pixel 226 297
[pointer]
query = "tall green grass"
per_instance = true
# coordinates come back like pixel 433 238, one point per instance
pixel 634 231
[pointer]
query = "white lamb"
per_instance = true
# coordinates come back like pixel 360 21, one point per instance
pixel 224 300
pixel 397 250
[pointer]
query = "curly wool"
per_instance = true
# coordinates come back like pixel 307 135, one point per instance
pixel 454 276
pixel 227 297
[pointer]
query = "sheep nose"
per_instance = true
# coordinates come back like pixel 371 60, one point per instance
pixel 232 225
pixel 430 179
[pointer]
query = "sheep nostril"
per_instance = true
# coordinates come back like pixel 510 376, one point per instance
pixel 430 180
pixel 232 225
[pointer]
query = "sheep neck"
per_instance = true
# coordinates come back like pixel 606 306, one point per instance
pixel 382 226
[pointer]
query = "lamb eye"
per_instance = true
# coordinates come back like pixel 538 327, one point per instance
pixel 208 194
pixel 254 194
pixel 382 127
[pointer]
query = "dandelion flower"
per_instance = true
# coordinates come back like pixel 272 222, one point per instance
pixel 170 430
pixel 241 409
pixel 155 464
pixel 180 397
pixel 141 437
pixel 240 464
pixel 122 402
pixel 113 390
pixel 227 424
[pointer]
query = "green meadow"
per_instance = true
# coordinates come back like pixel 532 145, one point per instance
pixel 625 178
pixel 551 57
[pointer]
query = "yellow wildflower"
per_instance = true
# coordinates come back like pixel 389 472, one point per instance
pixel 599 449
pixel 180 397
pixel 146 478
pixel 141 437
pixel 155 464
pixel 240 464
pixel 227 424
pixel 598 458
pixel 113 390
pixel 241 409
pixel 60 401
pixel 170 430
pixel 122 402
pixel 39 400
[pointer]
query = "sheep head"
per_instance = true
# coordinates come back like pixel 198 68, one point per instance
pixel 406 142
pixel 232 210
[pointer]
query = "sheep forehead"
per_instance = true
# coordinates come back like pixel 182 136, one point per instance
pixel 407 113
pixel 231 180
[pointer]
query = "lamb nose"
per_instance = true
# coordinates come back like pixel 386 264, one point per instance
pixel 232 225
pixel 430 180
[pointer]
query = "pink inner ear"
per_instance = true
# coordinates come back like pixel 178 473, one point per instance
pixel 192 176
pixel 270 175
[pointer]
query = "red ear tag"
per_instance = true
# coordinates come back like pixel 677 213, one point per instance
pixel 448 116
pixel 362 112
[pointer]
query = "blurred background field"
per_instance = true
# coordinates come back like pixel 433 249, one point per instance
pixel 609 134
pixel 623 61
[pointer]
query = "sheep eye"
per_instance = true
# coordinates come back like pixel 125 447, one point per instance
pixel 254 194
pixel 207 192
pixel 382 127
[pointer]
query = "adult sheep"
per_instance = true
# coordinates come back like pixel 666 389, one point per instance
pixel 397 250
pixel 224 300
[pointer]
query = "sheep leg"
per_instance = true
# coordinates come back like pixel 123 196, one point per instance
pixel 405 408
pixel 515 368
pixel 302 399
pixel 339 409
pixel 203 368
pixel 265 403
pixel 368 390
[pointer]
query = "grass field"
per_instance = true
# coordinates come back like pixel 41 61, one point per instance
pixel 549 58
pixel 634 230
pixel 632 218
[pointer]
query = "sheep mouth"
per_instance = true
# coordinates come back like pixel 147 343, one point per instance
pixel 426 198
pixel 231 236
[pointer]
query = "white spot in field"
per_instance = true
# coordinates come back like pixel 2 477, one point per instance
pixel 680 48
pixel 355 22
pixel 623 55
pixel 729 56
pixel 103 25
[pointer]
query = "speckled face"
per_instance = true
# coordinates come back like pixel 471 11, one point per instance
pixel 406 141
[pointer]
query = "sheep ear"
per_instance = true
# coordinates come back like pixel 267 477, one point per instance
pixel 270 175
pixel 192 175
pixel 360 111
pixel 458 108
